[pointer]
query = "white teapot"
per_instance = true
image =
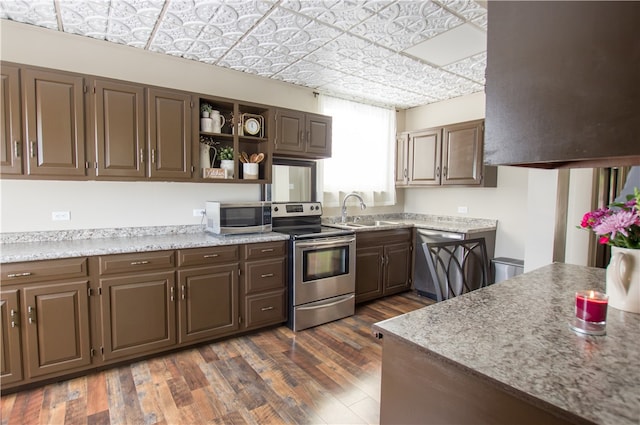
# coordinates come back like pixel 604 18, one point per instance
pixel 218 121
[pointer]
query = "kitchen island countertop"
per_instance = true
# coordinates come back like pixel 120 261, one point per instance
pixel 68 248
pixel 515 336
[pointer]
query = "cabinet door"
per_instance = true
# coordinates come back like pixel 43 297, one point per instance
pixel 208 304
pixel 318 135
pixel 54 127
pixel 118 110
pixel 169 132
pixel 397 267
pixel 290 129
pixel 138 314
pixel 10 131
pixel 10 350
pixel 369 273
pixel 462 153
pixel 402 166
pixel 424 157
pixel 56 327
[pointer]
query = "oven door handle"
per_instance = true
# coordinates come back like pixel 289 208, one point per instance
pixel 320 243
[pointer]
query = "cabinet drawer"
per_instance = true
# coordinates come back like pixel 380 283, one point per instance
pixel 121 263
pixel 203 256
pixel 265 309
pixel 265 275
pixel 256 251
pixel 383 237
pixel 35 271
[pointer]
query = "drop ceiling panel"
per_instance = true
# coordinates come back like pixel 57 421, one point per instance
pixel 357 49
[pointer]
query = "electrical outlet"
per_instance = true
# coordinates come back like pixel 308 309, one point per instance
pixel 60 215
pixel 463 210
pixel 198 212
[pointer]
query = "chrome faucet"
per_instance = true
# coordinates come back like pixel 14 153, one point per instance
pixel 344 205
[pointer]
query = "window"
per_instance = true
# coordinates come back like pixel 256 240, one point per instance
pixel 362 152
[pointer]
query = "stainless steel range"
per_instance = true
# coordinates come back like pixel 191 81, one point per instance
pixel 321 265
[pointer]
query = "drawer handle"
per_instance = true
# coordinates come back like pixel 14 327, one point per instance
pixel 19 274
pixel 172 291
pixel 138 263
pixel 267 250
pixel 183 290
pixel 266 308
pixel 211 255
pixel 266 275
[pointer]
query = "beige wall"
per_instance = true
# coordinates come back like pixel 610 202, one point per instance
pixel 27 205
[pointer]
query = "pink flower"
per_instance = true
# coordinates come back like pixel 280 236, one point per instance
pixel 593 218
pixel 620 221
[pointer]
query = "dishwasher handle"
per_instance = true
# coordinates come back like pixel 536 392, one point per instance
pixel 439 234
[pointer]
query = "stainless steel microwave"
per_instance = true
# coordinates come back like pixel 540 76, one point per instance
pixel 225 218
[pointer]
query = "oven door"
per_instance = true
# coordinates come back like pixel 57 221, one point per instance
pixel 323 268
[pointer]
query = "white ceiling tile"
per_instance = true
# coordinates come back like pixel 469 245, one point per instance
pixel 342 14
pixel 39 12
pixel 352 48
pixel 451 46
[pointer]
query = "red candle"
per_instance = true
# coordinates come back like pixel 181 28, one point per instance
pixel 591 306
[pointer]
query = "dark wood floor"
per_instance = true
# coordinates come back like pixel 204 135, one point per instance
pixel 328 374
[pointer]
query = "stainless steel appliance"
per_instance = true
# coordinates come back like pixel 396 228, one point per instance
pixel 321 265
pixel 239 217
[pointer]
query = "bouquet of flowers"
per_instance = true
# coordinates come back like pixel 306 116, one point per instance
pixel 618 224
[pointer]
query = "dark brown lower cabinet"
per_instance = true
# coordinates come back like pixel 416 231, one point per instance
pixel 11 354
pixel 45 320
pixel 208 305
pixel 58 315
pixel 384 260
pixel 138 314
pixel 264 285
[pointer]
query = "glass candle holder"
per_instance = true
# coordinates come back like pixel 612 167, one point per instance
pixel 591 312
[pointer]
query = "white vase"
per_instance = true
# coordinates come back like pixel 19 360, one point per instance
pixel 205 155
pixel 229 165
pixel 206 125
pixel 623 279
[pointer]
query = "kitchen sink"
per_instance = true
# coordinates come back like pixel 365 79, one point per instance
pixel 368 223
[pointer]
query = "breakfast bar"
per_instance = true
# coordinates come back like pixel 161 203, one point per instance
pixel 506 354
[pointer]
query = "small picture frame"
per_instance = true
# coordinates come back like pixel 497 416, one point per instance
pixel 214 173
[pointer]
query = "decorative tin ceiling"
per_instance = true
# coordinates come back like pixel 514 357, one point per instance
pixel 350 48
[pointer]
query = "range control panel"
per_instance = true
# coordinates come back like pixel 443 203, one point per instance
pixel 296 209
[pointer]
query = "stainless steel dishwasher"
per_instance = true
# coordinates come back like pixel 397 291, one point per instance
pixel 422 281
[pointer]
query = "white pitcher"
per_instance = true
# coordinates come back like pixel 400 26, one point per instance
pixel 218 121
pixel 623 279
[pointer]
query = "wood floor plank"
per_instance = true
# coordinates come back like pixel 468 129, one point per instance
pixel 327 374
pixel 97 400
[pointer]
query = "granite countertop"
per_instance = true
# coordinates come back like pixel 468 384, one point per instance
pixel 466 225
pixel 516 334
pixel 65 246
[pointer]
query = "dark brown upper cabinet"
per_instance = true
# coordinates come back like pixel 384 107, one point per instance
pixel 443 156
pixel 53 105
pixel 169 134
pixel 302 135
pixel 10 132
pixel 564 93
pixel 118 133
